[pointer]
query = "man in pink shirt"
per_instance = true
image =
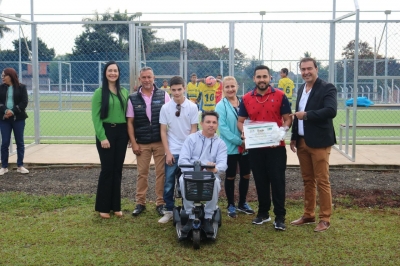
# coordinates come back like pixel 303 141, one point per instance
pixel 143 113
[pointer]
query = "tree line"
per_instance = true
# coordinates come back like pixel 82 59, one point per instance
pixel 103 42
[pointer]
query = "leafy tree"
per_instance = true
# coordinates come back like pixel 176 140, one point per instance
pixel 97 45
pixel 365 50
pixel 103 42
pixel 223 54
pixel 44 52
pixel 119 31
pixel 202 60
pixel 365 64
pixel 4 29
pixel 307 54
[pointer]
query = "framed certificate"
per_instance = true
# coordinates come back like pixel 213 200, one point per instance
pixel 261 134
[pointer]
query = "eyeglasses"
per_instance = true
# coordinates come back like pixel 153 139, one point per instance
pixel 178 112
pixel 3 75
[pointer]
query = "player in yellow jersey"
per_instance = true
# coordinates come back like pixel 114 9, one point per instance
pixel 192 89
pixel 165 87
pixel 207 91
pixel 286 84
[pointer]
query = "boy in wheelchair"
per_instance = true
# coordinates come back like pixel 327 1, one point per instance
pixel 204 146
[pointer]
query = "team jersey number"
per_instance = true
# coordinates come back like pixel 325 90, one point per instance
pixel 209 95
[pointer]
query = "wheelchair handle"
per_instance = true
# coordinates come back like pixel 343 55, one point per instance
pixel 193 166
pixel 197 166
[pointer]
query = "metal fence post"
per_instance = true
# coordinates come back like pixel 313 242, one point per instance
pixel 231 49
pixel 332 36
pixel 132 62
pixel 59 86
pixel 35 82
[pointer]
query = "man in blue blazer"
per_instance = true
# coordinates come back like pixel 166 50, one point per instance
pixel 312 137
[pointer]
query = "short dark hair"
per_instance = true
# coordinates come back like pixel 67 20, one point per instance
pixel 176 80
pixel 261 67
pixel 206 113
pixel 308 59
pixel 193 74
pixel 285 70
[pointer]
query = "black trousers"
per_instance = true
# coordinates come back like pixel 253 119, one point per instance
pixel 244 167
pixel 108 195
pixel 268 166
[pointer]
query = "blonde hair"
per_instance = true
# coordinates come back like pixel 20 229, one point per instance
pixel 228 78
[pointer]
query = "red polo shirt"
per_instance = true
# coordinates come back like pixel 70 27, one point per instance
pixel 268 107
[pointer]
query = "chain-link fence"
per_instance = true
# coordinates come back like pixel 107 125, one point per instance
pixel 71 58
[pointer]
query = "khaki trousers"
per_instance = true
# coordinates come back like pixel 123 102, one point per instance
pixel 314 166
pixel 156 150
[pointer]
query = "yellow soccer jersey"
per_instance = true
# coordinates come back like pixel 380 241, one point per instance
pixel 167 90
pixel 192 92
pixel 287 85
pixel 208 96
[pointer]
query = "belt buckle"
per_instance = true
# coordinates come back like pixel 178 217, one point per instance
pixel 113 125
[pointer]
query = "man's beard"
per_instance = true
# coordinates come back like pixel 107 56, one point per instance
pixel 262 89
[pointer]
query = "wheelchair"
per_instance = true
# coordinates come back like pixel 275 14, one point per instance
pixel 198 187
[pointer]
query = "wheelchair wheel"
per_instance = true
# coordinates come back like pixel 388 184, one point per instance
pixel 196 238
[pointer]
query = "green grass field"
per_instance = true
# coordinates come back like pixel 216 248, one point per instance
pixel 64 230
pixel 79 123
pixel 70 118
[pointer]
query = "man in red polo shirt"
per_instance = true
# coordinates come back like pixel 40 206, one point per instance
pixel 268 165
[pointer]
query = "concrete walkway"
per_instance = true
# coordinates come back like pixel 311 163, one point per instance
pixel 86 154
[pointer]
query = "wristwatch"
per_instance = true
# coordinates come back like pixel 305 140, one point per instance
pixel 305 116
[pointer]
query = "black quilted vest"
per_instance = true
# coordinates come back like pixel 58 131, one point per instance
pixel 147 131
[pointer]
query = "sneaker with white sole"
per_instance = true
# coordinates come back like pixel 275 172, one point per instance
pixel 22 170
pixel 3 171
pixel 261 220
pixel 279 223
pixel 245 208
pixel 231 211
pixel 166 218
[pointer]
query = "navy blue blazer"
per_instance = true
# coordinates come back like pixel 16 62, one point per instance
pixel 321 108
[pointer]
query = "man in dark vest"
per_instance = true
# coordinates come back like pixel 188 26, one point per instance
pixel 143 113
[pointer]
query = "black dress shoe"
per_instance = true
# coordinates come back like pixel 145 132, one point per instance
pixel 138 209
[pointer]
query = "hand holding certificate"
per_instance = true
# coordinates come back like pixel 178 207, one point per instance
pixel 262 134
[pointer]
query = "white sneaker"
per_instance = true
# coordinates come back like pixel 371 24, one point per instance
pixel 22 170
pixel 3 171
pixel 166 218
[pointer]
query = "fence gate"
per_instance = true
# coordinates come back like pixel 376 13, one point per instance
pixel 170 60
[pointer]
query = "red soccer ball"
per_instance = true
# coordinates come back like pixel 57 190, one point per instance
pixel 210 81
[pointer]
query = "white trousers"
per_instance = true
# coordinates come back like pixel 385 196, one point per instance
pixel 211 205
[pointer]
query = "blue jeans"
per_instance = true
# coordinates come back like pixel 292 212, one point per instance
pixel 169 185
pixel 6 126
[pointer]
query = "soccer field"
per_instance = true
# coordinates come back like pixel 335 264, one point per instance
pixel 71 124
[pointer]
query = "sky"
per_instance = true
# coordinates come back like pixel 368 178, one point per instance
pixel 149 7
pixel 173 10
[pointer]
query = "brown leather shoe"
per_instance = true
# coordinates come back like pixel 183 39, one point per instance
pixel 322 226
pixel 303 220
